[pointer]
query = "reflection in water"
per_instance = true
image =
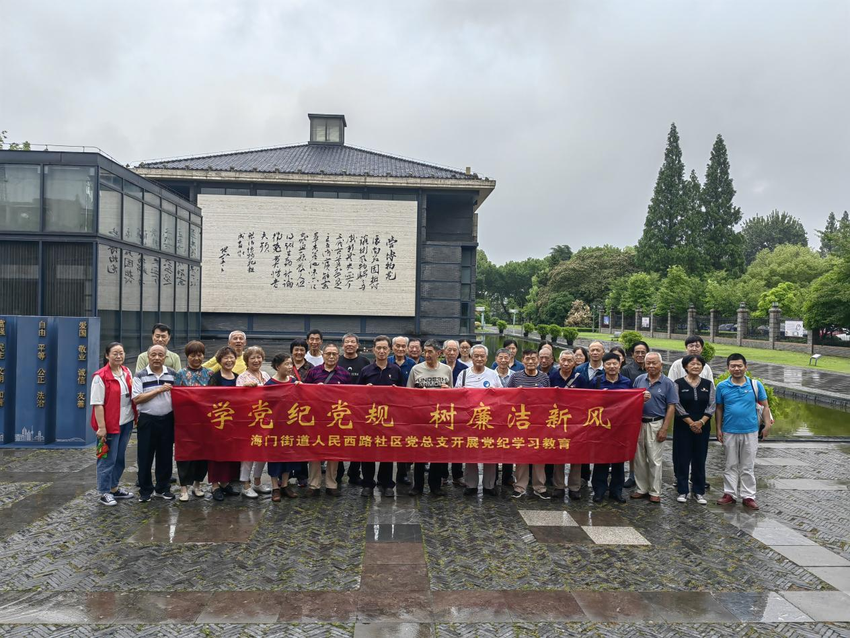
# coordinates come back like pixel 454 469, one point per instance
pixel 794 419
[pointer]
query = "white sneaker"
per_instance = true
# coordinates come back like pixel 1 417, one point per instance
pixel 701 499
pixel 250 493
pixel 262 489
pixel 682 498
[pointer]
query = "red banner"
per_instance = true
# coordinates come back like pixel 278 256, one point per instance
pixel 372 423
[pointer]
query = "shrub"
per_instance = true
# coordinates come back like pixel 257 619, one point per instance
pixel 501 325
pixel 570 334
pixel 555 331
pixel 629 338
pixel 527 328
pixel 542 330
pixel 708 351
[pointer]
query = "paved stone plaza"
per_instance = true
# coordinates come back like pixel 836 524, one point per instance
pixel 456 566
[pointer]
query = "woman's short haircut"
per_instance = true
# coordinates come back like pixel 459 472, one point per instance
pixel 279 359
pixel 691 357
pixel 298 343
pixel 221 352
pixel 251 351
pixel 194 347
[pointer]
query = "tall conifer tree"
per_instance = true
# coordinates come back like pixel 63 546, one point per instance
pixel 722 245
pixel 663 233
pixel 693 257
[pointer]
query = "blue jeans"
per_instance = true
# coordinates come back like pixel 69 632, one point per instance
pixel 110 469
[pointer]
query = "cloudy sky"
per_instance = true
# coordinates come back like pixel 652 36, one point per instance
pixel 566 104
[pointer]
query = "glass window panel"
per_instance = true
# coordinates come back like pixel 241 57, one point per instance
pixel 238 191
pixel 69 198
pixel 152 227
pixel 351 195
pixel 151 198
pixel 464 309
pixel 131 299
pixel 182 213
pixel 166 292
pixel 168 230
pixel 132 220
pixel 150 292
pixel 68 279
pixel 466 256
pixel 110 180
pixel 20 197
pixel 130 187
pixel 210 190
pixel 195 242
pixel 333 130
pixel 18 277
pixel 465 291
pixel 466 275
pixel 182 237
pixel 181 318
pixel 196 219
pixel 318 130
pixel 194 302
pixel 108 292
pixel 166 205
pixel 109 220
pixel 286 193
pixel 267 192
pixel 326 194
pixel 405 197
pixel 384 196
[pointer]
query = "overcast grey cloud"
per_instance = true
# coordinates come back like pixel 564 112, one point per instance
pixel 566 104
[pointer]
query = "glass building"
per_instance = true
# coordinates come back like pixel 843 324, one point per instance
pixel 80 235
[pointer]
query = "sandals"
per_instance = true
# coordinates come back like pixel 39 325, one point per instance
pixel 276 495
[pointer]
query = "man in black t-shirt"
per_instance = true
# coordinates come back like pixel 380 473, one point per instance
pixel 352 361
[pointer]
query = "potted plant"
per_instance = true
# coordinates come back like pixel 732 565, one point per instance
pixel 501 325
pixel 570 334
pixel 555 331
pixel 527 328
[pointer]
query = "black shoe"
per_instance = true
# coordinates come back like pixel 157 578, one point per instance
pixel 597 498
pixel 558 493
pixel 218 494
pixel 618 497
pixel 414 492
pixel 353 480
pixel 312 492
pixel 438 492
pixel 630 483
pixel 166 495
pixel 333 491
pixel 491 491
pixel 469 491
pixel 144 498
pixel 367 491
pixel 229 490
pixel 575 495
pixel 388 492
pixel 404 480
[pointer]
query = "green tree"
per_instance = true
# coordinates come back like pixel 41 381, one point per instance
pixel 13 146
pixel 641 288
pixel 615 298
pixel 721 244
pixel 590 273
pixel 508 285
pixel 831 231
pixel 691 254
pixel 828 300
pixel 725 293
pixel 790 298
pixel 557 307
pixel 559 253
pixel 788 263
pixel 579 315
pixel 663 230
pixel 771 231
pixel 678 290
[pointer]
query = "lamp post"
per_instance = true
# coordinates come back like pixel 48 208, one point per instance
pixel 513 312
pixel 481 310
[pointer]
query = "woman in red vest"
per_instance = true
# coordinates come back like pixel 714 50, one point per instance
pixel 113 415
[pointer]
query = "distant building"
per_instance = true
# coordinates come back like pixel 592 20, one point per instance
pixel 326 235
pixel 80 235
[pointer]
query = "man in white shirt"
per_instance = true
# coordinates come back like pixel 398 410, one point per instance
pixel 479 376
pixel 314 341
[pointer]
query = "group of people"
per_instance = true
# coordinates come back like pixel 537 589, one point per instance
pixel 685 399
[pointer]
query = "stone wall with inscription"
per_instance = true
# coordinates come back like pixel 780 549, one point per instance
pixel 311 256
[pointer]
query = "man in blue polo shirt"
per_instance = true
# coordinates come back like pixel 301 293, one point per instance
pixel 660 398
pixel 738 430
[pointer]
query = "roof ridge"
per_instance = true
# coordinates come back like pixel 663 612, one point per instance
pixel 221 154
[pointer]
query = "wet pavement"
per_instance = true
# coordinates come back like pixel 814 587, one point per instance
pixel 453 566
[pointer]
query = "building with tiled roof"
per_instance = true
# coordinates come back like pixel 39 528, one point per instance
pixel 331 236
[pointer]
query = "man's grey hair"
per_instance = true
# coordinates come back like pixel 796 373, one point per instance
pixel 479 346
pixel 406 340
pixel 503 351
pixel 657 354
pixel 351 334
pixel 236 332
pixel 156 345
pixel 433 343
pixel 329 344
pixel 448 341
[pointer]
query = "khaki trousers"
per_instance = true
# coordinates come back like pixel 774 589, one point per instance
pixel 574 480
pixel 314 474
pixel 538 478
pixel 648 459
pixel 740 464
pixel 470 475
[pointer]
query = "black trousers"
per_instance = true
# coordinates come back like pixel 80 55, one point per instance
pixel 401 472
pixel 585 471
pixel 190 471
pixel 457 471
pixel 385 474
pixel 689 452
pixel 507 473
pixel 436 472
pixel 354 469
pixel 599 481
pixel 155 442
